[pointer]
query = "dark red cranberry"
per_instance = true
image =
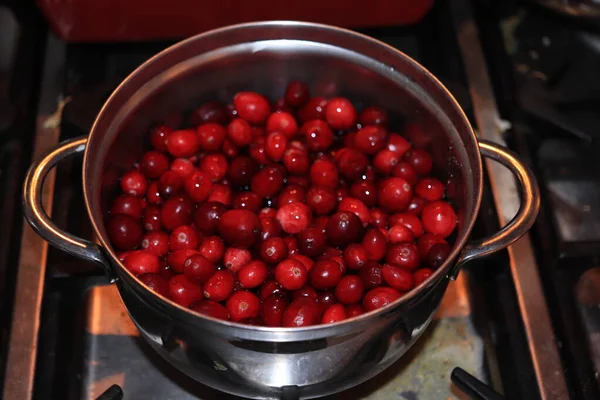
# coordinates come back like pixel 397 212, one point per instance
pixel 306 291
pixel 350 289
pixel 252 106
pixel 267 182
pixel 283 123
pixel 257 151
pixel 269 228
pixel 394 194
pixel 229 149
pixel 404 255
pixel 169 184
pixel 291 194
pixel 325 299
pixel 296 161
pixel 269 288
pixel 384 161
pixel 134 183
pixel 156 283
pixel 416 206
pixel 355 256
pixel 207 217
pixel 124 231
pixel 183 143
pixel 314 109
pixel 247 201
pixel 343 228
pixel 273 250
pixel 438 254
pixel 219 286
pixel 365 191
pixel 151 218
pixel 209 112
pixel 272 310
pixel 235 258
pixel 373 116
pixel 281 105
pixel 354 310
pixel 398 144
pixel 334 313
pixel 303 311
pixel 142 262
pixel 397 278
pixel 198 269
pixel 420 160
pixel 127 204
pixel 357 207
pixel 153 164
pixel 211 309
pixel 158 137
pixel 175 212
pixel 380 297
pixel 241 170
pixel 291 274
pixel 406 171
pixel 439 218
pixel 220 194
pixel 176 259
pixel 375 243
pixel 321 200
pixel 215 165
pixel 370 139
pixel 421 275
pixel 153 194
pixel 294 217
pixel 306 261
pixel 430 189
pixel 212 248
pixel 312 242
pixel 198 186
pixel 242 305
pixel 324 173
pixel 318 135
pixel 352 163
pixel 156 242
pixel 296 94
pixel 325 274
pixel 239 228
pixel 371 276
pixel 379 219
pixel 184 292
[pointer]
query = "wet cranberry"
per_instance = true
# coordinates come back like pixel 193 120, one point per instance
pixel 267 182
pixel 241 170
pixel 439 218
pixel 239 133
pixel 215 165
pixel 397 278
pixel 306 291
pixel 352 163
pixel 184 292
pixel 198 186
pixel 169 184
pixel 270 288
pixel 175 212
pixel 253 274
pixel 210 308
pixel 373 116
pixel 134 183
pixel 198 269
pixel 385 160
pixel 364 191
pixel 400 233
pixel 239 228
pixel 142 262
pixel 176 260
pixel 272 310
pixel 416 206
pixel 257 151
pixel 269 228
pixel 334 313
pixel 325 274
pixel 371 275
pixel 306 261
pixel 354 310
pixel 312 242
pixel 211 136
pixel 209 112
pixel 296 161
pixel 379 219
pixel 303 311
pixel 350 289
pixel 438 254
pixel 394 194
pixel 151 219
pixel 153 194
pixel 219 286
pixel 398 144
pixel 343 228
pixel 252 106
pixel 183 143
pixel 212 248
pixel 127 204
pixel 220 194
pixel 183 167
pixel 247 201
pixel 357 207
pixel 410 221
pixel 430 189
pixel 296 94
pixel 294 217
pixel 156 242
pixel 380 297
pixel 370 139
pixel 314 109
pixel 301 181
pixel 242 305
pixel 355 256
pixel 318 135
pixel 404 255
pixel 291 194
pixel 275 145
pixel 420 160
pixel 375 243
pixel 291 274
pixel 324 173
pixel 153 164
pixel 156 283
pixel 183 237
pixel 234 258
pixel 421 275
pixel 340 113
pixel 325 299
pixel 273 250
pixel 406 171
pixel 292 245
pixel 321 200
pixel 207 217
pixel 158 137
pixel 124 231
pixel 284 123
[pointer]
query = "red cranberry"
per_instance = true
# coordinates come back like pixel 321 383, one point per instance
pixel 439 218
pixel 318 135
pixel 275 145
pixel 212 248
pixel 183 167
pixel 350 290
pixel 252 106
pixel 296 94
pixel 211 136
pixel 379 219
pixel 247 201
pixel 207 217
pixel 219 286
pixel 127 204
pixel 404 255
pixel 430 189
pixel 156 283
pixel 343 228
pixel 373 116
pixel 322 201
pixel 291 274
pixel 410 221
pixel 270 288
pixel 215 165
pixel 175 212
pixel 124 231
pixel 257 151
pixel 352 163
pixel 239 228
pixel 303 311
pixel 354 310
pixel 312 242
pixel 183 143
pixel 198 186
pixel 420 160
pixel 400 233
pixel 153 194
pixel 296 161
pixel 325 299
pixel 355 256
pixel 135 183
pixel 253 274
pixel 273 250
pixel 306 261
pixel 176 260
pixel 325 274
pixel 406 171
pixel 142 262
pixel 272 310
pixel 229 149
pixel 324 173
pixel 306 291
pixel 211 309
pixel 385 160
pixel 371 275
pixel 242 305
pixel 153 164
pixel 421 275
pixel 394 194
pixel 156 242
pixel 398 144
pixel 241 170
pixel 364 191
pixel 158 137
pixel 375 243
pixel 292 245
pixel 267 182
pixel 314 109
pixel 380 297
pixel 291 194
pixel 198 269
pixel 334 313
pixel 397 278
pixel 234 259
pixel 184 292
pixel 184 237
pixel 220 194
pixel 294 217
pixel 438 254
pixel 370 139
pixel 169 184
pixel 357 207
pixel 269 228
pixel 416 206
pixel 239 133
pixel 340 113
pixel 209 112
pixel 284 123
pixel 151 219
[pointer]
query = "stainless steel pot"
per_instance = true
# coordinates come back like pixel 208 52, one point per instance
pixel 261 362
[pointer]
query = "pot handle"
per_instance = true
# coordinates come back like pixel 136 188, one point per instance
pixel 521 222
pixel 37 216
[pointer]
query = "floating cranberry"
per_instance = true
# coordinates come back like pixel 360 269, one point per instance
pixel 397 278
pixel 219 286
pixel 371 275
pixel 242 305
pixel 183 143
pixel 158 137
pixel 343 228
pixel 156 242
pixel 355 256
pixel 272 309
pixel 420 160
pixel 325 299
pixel 421 275
pixel 350 289
pixel 318 135
pixel 284 123
pixel 198 269
pixel 273 250
pixel 142 262
pixel 404 255
pixel 294 217
pixel 212 248
pixel 252 106
pixel 210 308
pixel 239 228
pixel 234 258
pixel 124 231
pixel 303 311
pixel 198 186
pixel 375 243
pixel 438 254
pixel 296 94
pixel 175 212
pixel 439 218
pixel 380 297
pixel 325 274
pixel 127 204
pixel 394 194
pixel 370 139
pixel 209 112
pixel 156 283
pixel 153 164
pixel 334 313
pixel 340 113
pixel 312 242
pixel 184 292
pixel 135 183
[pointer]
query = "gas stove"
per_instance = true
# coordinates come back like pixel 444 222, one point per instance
pixel 525 320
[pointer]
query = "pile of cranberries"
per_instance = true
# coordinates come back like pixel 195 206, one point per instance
pixel 290 214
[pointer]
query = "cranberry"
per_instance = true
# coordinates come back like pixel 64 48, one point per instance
pixel 306 261
pixel 219 286
pixel 273 250
pixel 348 139
pixel 421 275
pixel 142 262
pixel 215 165
pixel 410 221
pixel 198 269
pixel 234 259
pixel 183 143
pixel 357 207
pixel 394 194
pixel 292 245
pixel 275 145
pixel 252 106
pixel 175 212
pixel 284 123
pixel 183 167
pixel 355 256
pixel 439 218
pixel 272 310
pixel 321 200
pixel 270 288
pixel 398 144
pixel 385 160
pixel 340 113
pixel 253 274
pixel 318 135
pixel 296 94
pixel 397 278
pixel 380 297
pixel 303 311
pixel 241 170
pixel 291 274
pixel 211 136
pixel 280 105
pixel 314 109
pixel 176 260
pixel 306 291
pixel 404 255
pixel 151 219
pixel 209 112
pixel 325 299
pixel 301 181
pixel 352 163
pixel 257 151
pixel 239 228
pixel 370 139
pixel 169 184
pixel 324 173
pixel 127 204
pixel 212 248
pixel 420 160
pixel 312 242
pixel 400 233
pixel 364 191
pixel 343 228
pixel 371 275
pixel 379 219
pixel 267 182
pixel 375 243
pixel 247 201
pixel 426 242
pixel 334 313
pixel 291 194
pixel 184 292
pixel 158 137
pixel 239 133
pixel 198 186
pixel 124 231
pixel 373 116
pixel 296 161
pixel 220 194
pixel 438 254
pixel 430 189
pixel 229 149
pixel 294 217
pixel 325 274
pixel 350 289
pixel 416 206
pixel 156 283
pixel 183 237
pixel 242 305
pixel 153 164
pixel 153 194
pixel 156 242
pixel 207 217
pixel 354 310
pixel 135 183
pixel 406 171
pixel 269 227
pixel 211 309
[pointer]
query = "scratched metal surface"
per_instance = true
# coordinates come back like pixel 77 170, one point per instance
pixel 115 354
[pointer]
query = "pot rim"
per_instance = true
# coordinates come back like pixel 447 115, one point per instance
pixel 367 317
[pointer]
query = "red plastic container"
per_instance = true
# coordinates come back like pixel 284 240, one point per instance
pixel 135 20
